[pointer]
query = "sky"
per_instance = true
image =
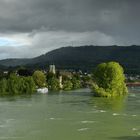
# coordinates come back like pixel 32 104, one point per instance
pixel 29 28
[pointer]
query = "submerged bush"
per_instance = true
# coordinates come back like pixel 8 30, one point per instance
pixel 109 80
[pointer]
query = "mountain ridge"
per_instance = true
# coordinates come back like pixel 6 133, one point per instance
pixel 82 57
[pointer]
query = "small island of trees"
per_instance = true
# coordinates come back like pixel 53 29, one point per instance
pixel 109 80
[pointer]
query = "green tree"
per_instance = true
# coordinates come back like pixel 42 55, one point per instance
pixel 53 84
pixel 26 85
pixel 13 85
pixel 3 87
pixel 86 80
pixel 50 75
pixel 39 78
pixel 76 83
pixel 67 85
pixel 16 85
pixel 109 80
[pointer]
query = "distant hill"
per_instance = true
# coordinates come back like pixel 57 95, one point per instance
pixel 83 57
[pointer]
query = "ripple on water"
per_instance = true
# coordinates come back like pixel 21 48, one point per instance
pixel 97 111
pixel 138 101
pixel 102 111
pixel 87 121
pixel 54 118
pixel 6 122
pixel 115 114
pixel 22 105
pixel 138 134
pixel 134 115
pixel 82 129
pixel 134 129
pixel 2 125
pixel 9 120
pixel 5 138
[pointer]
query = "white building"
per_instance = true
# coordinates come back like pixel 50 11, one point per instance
pixel 52 69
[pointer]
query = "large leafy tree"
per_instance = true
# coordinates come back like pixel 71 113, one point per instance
pixel 39 78
pixel 109 80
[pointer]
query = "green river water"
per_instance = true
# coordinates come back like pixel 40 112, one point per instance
pixel 74 115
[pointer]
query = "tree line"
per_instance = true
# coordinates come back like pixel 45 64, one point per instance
pixel 23 82
pixel 107 80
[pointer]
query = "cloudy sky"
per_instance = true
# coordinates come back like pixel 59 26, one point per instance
pixel 29 28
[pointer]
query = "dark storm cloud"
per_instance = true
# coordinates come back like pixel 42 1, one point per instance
pixel 71 15
pixel 39 26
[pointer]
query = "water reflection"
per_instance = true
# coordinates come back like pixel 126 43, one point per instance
pixel 114 104
pixel 16 98
pixel 128 138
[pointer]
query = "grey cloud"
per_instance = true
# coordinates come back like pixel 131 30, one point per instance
pixel 43 42
pixel 70 15
pixel 55 23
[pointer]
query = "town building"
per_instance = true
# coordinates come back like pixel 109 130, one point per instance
pixel 52 69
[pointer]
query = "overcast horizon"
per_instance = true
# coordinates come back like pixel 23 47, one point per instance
pixel 30 28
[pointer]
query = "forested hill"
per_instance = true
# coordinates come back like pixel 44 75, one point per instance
pixel 84 57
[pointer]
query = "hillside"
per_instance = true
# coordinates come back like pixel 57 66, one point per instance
pixel 84 57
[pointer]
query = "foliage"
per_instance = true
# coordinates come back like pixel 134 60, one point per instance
pixel 53 83
pixel 3 87
pixel 50 75
pixel 65 77
pixel 109 80
pixel 27 85
pixel 76 75
pixel 13 84
pixel 67 85
pixel 39 78
pixel 86 80
pixel 76 83
pixel 16 85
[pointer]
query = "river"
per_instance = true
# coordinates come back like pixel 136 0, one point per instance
pixel 73 115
